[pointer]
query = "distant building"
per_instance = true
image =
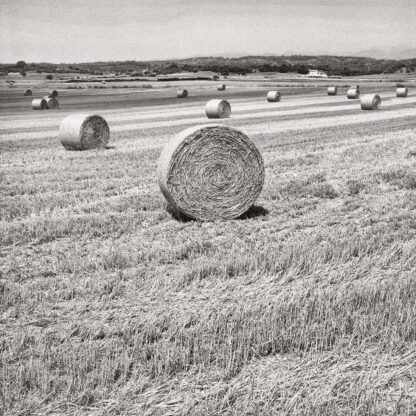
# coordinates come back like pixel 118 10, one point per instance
pixel 316 73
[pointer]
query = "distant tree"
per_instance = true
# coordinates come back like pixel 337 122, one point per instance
pixel 23 73
pixel 49 76
pixel 21 64
pixel 38 71
pixel 303 70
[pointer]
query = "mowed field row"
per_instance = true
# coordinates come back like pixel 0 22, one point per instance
pixel 304 305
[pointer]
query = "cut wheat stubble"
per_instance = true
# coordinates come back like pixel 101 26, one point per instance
pixel 211 172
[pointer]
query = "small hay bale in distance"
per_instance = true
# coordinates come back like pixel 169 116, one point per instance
pixel 39 104
pixel 332 90
pixel 273 96
pixel 221 87
pixel 27 92
pixel 218 109
pixel 370 102
pixel 84 132
pixel 402 92
pixel 210 172
pixel 353 93
pixel 53 94
pixel 182 93
pixel 51 103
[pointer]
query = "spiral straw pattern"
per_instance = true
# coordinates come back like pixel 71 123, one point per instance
pixel 84 132
pixel 211 172
pixel 51 103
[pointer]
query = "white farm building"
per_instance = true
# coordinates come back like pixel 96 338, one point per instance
pixel 316 73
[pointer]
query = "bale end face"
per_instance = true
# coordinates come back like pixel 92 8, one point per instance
pixel 370 102
pixel 53 94
pixel 218 109
pixel 84 132
pixel 221 87
pixel 211 172
pixel 273 96
pixel 51 103
pixel 27 92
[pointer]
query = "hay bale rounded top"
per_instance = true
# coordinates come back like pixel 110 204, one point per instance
pixel 39 104
pixel 211 172
pixel 218 109
pixel 402 92
pixel 182 93
pixel 27 92
pixel 84 132
pixel 221 87
pixel 332 90
pixel 273 96
pixel 370 102
pixel 53 94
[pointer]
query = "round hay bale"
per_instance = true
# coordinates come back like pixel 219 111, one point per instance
pixel 218 109
pixel 332 90
pixel 370 102
pixel 84 132
pixel 273 96
pixel 27 92
pixel 51 103
pixel 182 93
pixel 39 104
pixel 353 93
pixel 402 92
pixel 211 172
pixel 53 94
pixel 221 87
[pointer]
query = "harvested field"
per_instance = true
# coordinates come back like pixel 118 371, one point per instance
pixel 304 305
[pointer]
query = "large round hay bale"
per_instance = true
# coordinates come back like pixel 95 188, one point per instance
pixel 182 93
pixel 353 93
pixel 27 92
pixel 53 93
pixel 84 132
pixel 402 92
pixel 332 90
pixel 370 102
pixel 221 87
pixel 218 109
pixel 51 103
pixel 210 172
pixel 39 104
pixel 273 96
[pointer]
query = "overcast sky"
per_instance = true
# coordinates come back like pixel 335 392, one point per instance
pixel 90 30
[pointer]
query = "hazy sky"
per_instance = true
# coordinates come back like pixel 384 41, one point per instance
pixel 90 30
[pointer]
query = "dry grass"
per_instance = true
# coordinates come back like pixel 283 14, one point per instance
pixel 110 306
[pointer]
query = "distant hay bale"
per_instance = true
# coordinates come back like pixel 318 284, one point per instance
pixel 84 132
pixel 332 90
pixel 218 109
pixel 402 92
pixel 353 93
pixel 27 92
pixel 53 94
pixel 51 103
pixel 273 96
pixel 370 102
pixel 39 104
pixel 210 172
pixel 221 87
pixel 182 93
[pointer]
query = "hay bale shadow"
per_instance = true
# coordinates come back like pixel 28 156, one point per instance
pixel 253 212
